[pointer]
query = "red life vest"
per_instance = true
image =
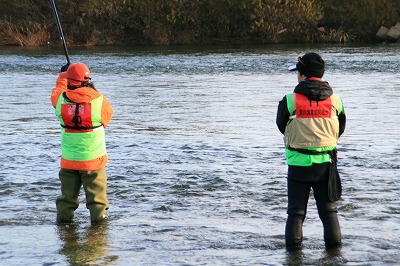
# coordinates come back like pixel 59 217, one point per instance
pixel 77 116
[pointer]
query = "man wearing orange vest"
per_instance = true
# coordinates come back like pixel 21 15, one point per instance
pixel 83 113
pixel 312 119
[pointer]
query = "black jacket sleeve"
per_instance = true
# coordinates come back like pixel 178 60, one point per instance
pixel 282 116
pixel 342 122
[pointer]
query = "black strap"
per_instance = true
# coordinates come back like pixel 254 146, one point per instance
pixel 80 127
pixel 77 119
pixel 66 97
pixel 311 152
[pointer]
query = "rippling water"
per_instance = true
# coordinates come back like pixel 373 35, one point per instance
pixel 197 170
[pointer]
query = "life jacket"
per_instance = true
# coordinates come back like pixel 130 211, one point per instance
pixel 312 123
pixel 82 135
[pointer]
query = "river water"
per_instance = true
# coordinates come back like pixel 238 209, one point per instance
pixel 197 174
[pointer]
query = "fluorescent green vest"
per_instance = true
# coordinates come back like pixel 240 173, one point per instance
pixel 82 135
pixel 311 140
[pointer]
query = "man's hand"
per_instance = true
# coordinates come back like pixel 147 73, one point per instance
pixel 64 67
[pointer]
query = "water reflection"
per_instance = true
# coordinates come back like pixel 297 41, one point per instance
pixel 328 257
pixel 85 246
pixel 294 257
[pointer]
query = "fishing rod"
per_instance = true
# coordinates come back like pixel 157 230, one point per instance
pixel 60 31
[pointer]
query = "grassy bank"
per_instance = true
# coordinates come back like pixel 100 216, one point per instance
pixel 160 22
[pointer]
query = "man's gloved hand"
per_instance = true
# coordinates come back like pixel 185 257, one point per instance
pixel 64 67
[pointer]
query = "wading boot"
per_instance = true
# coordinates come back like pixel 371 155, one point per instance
pixel 101 219
pixel 294 232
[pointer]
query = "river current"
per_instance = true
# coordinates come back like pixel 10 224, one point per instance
pixel 196 172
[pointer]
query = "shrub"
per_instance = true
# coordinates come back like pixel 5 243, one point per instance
pixel 360 19
pixel 277 20
pixel 26 34
pixel 164 22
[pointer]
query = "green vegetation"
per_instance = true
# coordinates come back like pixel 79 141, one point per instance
pixel 166 22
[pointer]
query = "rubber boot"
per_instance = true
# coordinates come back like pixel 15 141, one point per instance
pixel 332 232
pixel 66 217
pixel 294 232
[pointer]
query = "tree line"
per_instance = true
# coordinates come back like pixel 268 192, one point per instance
pixel 170 22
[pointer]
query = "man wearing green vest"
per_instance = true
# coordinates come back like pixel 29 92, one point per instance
pixel 312 118
pixel 83 114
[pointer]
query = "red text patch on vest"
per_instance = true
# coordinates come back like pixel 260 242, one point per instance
pixel 77 116
pixel 306 108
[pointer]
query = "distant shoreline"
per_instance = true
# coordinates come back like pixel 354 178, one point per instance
pixel 199 22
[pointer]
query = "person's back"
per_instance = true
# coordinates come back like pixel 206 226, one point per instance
pixel 83 114
pixel 312 119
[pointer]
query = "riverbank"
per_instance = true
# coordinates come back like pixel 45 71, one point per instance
pixel 97 23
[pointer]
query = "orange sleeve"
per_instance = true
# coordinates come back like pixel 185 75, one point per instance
pixel 106 112
pixel 61 86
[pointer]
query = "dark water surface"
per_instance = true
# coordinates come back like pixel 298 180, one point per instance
pixel 197 170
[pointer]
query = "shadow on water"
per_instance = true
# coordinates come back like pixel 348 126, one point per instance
pixel 85 246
